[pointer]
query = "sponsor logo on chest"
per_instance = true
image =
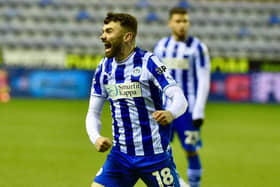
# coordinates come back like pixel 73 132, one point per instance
pixel 124 90
pixel 176 63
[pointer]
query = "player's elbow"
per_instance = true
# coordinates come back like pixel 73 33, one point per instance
pixel 181 106
pixel 183 102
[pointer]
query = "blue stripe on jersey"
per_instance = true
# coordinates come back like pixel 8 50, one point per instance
pixel 160 77
pixel 165 134
pixel 173 73
pixel 141 108
pixel 165 46
pixel 140 53
pixel 189 41
pixel 119 76
pixel 156 95
pixel 164 131
pixel 145 126
pixel 96 85
pixel 108 69
pixel 201 55
pixel 185 79
pixel 127 127
pixel 174 54
pixel 137 60
pixel 116 128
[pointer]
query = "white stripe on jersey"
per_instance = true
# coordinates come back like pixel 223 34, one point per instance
pixel 137 134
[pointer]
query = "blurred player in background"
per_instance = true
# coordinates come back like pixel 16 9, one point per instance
pixel 4 87
pixel 188 61
pixel 132 80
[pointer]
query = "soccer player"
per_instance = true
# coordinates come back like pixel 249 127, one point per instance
pixel 132 80
pixel 188 61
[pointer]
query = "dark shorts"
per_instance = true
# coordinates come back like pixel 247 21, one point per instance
pixel 188 134
pixel 121 170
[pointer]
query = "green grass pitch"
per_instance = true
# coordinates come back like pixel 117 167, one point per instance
pixel 43 143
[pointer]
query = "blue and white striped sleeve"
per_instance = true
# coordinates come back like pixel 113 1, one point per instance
pixel 159 73
pixel 202 56
pixel 98 88
pixel 202 63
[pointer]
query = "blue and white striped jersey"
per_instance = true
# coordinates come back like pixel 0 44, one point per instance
pixel 133 88
pixel 189 65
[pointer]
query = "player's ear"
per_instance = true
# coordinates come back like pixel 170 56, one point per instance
pixel 128 36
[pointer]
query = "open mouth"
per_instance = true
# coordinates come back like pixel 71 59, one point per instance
pixel 108 47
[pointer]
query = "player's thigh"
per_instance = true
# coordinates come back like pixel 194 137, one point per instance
pixel 188 134
pixel 115 174
pixel 166 176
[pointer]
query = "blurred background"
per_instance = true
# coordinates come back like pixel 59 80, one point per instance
pixel 243 39
pixel 49 50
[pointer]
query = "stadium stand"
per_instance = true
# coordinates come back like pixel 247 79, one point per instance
pixel 249 29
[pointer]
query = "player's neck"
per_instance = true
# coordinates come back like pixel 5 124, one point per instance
pixel 179 38
pixel 125 53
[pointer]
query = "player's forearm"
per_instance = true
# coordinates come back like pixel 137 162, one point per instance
pixel 178 101
pixel 93 122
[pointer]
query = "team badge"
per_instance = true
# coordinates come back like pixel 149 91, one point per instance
pixel 136 71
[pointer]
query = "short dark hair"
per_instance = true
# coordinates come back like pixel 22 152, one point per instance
pixel 126 20
pixel 177 10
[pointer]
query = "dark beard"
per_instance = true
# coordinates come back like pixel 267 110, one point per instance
pixel 115 51
pixel 182 38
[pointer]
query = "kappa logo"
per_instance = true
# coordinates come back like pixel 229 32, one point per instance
pixel 136 71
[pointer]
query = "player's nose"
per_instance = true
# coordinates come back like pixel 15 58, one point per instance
pixel 102 37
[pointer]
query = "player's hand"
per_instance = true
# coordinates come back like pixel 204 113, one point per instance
pixel 102 144
pixel 197 122
pixel 163 117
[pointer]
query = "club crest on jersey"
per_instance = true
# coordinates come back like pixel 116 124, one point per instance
pixel 136 71
pixel 124 90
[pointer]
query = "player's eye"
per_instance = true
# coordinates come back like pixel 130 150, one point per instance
pixel 109 30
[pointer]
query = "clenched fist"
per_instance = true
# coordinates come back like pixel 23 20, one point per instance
pixel 163 117
pixel 102 144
